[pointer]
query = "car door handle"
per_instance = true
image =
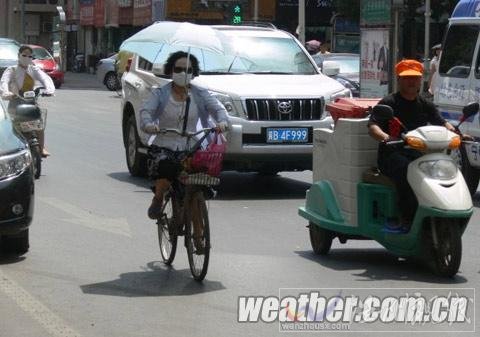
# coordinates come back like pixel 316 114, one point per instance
pixel 137 84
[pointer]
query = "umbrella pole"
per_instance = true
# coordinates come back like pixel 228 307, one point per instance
pixel 186 104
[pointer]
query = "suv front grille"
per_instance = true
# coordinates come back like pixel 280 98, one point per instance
pixel 284 109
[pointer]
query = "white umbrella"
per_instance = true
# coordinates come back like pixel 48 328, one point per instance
pixel 149 41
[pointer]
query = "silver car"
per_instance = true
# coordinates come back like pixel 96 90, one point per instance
pixel 274 94
pixel 106 72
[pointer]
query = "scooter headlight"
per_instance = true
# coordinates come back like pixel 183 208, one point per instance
pixel 12 165
pixel 439 169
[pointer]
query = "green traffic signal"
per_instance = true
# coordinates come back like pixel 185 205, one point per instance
pixel 237 15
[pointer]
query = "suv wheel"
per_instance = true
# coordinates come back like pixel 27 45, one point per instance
pixel 136 161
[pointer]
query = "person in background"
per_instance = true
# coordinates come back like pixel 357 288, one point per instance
pixel 25 77
pixel 313 46
pixel 122 61
pixel 325 47
pixel 434 64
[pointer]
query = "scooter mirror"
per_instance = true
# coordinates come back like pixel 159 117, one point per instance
pixel 29 94
pixel 382 112
pixel 470 109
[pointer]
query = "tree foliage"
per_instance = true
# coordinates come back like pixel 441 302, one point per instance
pixel 349 9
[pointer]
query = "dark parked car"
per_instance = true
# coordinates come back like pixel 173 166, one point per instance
pixel 16 187
pixel 348 69
pixel 8 53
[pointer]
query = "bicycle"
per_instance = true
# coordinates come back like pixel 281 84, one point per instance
pixel 189 191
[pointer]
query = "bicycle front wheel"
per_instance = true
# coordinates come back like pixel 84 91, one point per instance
pixel 167 233
pixel 197 236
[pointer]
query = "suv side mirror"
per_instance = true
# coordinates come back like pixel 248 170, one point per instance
pixel 382 113
pixel 470 109
pixel 330 68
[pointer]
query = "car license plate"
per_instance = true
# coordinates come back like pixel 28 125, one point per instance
pixel 287 135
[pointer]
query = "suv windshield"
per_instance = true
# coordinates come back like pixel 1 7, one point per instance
pixel 252 54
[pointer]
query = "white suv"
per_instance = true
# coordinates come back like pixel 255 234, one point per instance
pixel 274 94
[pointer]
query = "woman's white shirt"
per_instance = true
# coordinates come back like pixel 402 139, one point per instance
pixel 172 118
pixel 13 77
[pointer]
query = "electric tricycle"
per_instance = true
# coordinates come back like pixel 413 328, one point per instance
pixel 363 209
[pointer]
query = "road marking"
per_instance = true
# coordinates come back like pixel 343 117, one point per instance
pixel 88 219
pixel 55 326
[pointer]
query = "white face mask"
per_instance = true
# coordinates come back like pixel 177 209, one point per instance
pixel 24 61
pixel 181 80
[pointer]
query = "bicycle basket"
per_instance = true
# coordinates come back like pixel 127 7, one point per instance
pixel 199 179
pixel 210 159
pixel 34 125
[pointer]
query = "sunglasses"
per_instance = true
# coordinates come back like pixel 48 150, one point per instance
pixel 182 69
pixel 29 56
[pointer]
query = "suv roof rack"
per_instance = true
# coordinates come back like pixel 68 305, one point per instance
pixel 263 24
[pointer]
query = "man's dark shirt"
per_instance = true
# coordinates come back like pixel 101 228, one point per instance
pixel 412 114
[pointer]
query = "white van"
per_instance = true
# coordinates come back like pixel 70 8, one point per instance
pixel 458 81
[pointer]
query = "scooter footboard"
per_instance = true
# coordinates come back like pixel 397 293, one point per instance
pixel 321 202
pixel 376 203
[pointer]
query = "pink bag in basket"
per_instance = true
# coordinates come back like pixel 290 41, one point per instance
pixel 210 159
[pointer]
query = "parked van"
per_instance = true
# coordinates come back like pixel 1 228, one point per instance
pixel 458 81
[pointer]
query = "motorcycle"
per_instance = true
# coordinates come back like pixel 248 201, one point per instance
pixel 29 119
pixel 79 63
pixel 444 202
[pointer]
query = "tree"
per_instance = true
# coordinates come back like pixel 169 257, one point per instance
pixel 349 9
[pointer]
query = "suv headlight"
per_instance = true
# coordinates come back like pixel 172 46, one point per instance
pixel 342 93
pixel 14 164
pixel 226 101
pixel 439 169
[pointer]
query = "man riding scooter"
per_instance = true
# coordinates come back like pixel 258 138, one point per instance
pixel 410 111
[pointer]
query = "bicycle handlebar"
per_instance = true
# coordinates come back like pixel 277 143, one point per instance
pixel 188 134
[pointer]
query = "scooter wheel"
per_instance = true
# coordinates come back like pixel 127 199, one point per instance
pixel 37 163
pixel 321 239
pixel 448 255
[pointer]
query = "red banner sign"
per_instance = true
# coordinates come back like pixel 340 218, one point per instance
pixel 111 13
pixel 142 12
pixel 86 15
pixel 99 13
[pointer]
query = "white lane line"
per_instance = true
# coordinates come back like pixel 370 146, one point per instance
pixel 86 218
pixel 55 326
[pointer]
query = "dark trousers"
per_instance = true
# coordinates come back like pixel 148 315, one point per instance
pixel 395 165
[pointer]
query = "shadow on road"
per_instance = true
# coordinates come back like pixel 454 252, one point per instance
pixel 6 258
pixel 239 186
pixel 156 280
pixel 476 199
pixel 127 178
pixel 252 186
pixel 378 265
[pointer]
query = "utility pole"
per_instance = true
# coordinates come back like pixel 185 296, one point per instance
pixel 427 38
pixel 255 11
pixel 22 20
pixel 301 21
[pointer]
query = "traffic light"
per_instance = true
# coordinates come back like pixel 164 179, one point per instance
pixel 237 14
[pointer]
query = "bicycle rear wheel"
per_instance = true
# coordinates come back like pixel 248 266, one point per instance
pixel 167 232
pixel 198 241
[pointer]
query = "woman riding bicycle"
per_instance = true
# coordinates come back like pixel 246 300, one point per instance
pixel 166 109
